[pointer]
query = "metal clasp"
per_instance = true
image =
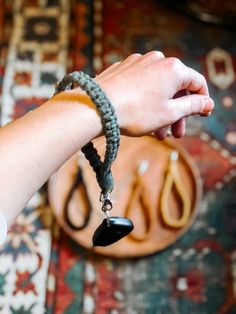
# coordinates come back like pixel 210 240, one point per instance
pixel 106 205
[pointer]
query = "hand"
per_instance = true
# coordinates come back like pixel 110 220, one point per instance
pixel 151 92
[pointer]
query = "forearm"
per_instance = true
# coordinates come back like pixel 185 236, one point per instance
pixel 36 145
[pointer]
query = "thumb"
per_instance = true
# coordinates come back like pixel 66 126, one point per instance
pixel 190 105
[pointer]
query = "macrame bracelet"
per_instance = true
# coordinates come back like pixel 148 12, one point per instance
pixel 111 229
pixel 110 128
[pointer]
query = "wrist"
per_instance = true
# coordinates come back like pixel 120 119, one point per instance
pixel 83 112
pixel 116 101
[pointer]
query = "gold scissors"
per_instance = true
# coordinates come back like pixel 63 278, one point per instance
pixel 173 180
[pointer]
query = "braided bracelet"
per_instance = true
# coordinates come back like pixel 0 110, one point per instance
pixel 112 228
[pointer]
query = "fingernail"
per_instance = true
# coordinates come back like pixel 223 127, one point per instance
pixel 208 105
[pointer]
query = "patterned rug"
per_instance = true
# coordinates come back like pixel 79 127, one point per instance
pixel 41 269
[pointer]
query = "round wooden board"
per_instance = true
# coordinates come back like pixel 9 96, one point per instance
pixel 132 151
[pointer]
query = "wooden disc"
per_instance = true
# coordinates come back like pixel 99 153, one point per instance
pixel 150 234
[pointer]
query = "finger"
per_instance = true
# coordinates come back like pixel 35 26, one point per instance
pixel 207 114
pixel 178 128
pixel 194 82
pixel 161 133
pixel 190 105
pixel 186 78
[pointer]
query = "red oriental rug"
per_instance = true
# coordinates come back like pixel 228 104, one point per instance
pixel 41 269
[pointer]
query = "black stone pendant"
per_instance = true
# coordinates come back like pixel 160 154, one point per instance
pixel 111 230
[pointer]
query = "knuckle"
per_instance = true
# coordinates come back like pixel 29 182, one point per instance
pixel 174 63
pixel 155 54
pixel 132 57
pixel 135 55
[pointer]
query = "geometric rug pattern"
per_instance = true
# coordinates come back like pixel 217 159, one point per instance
pixel 41 269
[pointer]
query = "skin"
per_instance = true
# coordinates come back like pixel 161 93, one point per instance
pixel 149 93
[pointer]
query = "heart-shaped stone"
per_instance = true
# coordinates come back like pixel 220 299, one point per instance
pixel 111 230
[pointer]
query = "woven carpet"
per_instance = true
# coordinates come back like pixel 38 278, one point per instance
pixel 41 269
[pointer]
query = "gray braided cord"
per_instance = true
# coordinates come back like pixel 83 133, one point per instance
pixel 110 127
